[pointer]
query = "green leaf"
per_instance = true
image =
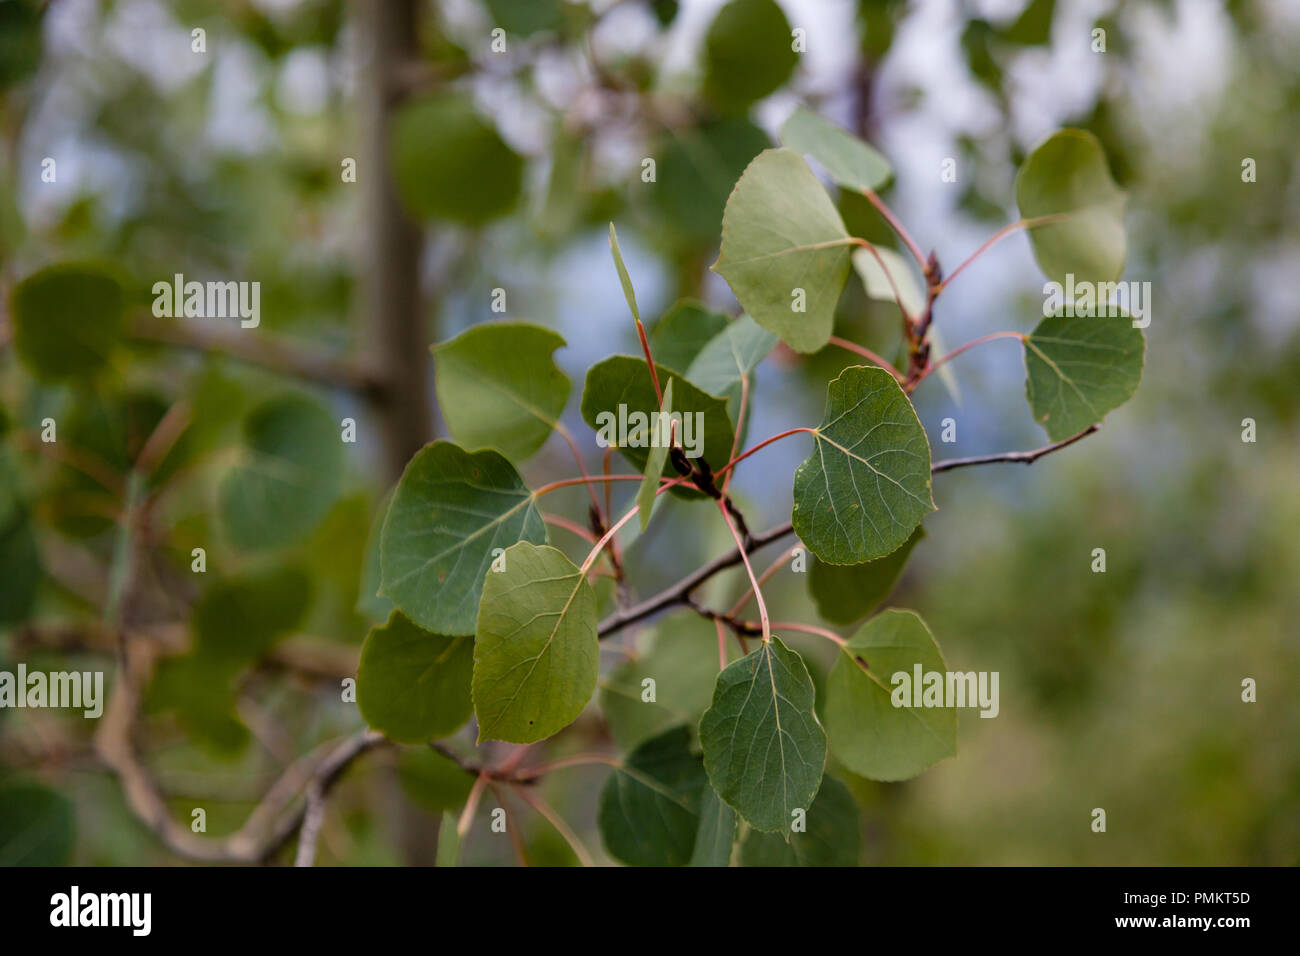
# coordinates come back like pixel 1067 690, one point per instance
pixel 717 831
pixel 732 355
pixel 450 512
pixel 629 293
pixel 20 40
pixel 648 492
pixel 498 387
pixel 448 841
pixel 781 233
pixel 677 338
pixel 833 836
pixel 678 661
pixel 20 567
pixel 237 621
pixel 866 486
pixel 650 806
pixel 36 825
pixel 536 652
pixel 67 319
pixel 764 748
pixel 1067 178
pixel 697 170
pixel 867 733
pixel 287 477
pixel 748 53
pixel 850 162
pixel 449 162
pixel 433 781
pixel 881 282
pixel 847 592
pixel 624 380
pixel 414 686
pixel 1078 369
pixel 526 17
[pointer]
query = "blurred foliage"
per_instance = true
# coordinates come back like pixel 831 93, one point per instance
pixel 1119 690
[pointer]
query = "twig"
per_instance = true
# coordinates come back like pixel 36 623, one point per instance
pixel 1024 457
pixel 679 592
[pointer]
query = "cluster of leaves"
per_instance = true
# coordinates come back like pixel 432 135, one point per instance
pixel 491 621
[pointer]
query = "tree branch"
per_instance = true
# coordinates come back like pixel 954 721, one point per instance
pixel 679 592
pixel 1024 457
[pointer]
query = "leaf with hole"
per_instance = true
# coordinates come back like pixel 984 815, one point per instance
pixel 535 650
pixel 499 387
pixel 451 514
pixel 867 733
pixel 866 486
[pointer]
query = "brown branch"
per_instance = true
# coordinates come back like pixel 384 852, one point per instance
pixel 679 593
pixel 1024 457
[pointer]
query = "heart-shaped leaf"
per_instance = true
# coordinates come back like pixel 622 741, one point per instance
pixel 414 686
pixel 1075 210
pixel 867 733
pixel 785 251
pixel 747 52
pixel 764 748
pixel 536 652
pixel 650 806
pixel 850 162
pixel 451 514
pixel 866 486
pixel 1079 368
pixel 498 387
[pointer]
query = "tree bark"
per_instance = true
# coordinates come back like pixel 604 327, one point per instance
pixel 396 341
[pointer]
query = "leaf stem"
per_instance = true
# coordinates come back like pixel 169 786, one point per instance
pixel 888 215
pixel 763 444
pixel 810 629
pixel 758 591
pixel 573 527
pixel 867 354
pixel 555 820
pixel 962 348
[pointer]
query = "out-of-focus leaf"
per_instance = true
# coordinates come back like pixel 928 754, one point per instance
pixel 287 477
pixel 850 162
pixel 449 162
pixel 67 319
pixel 414 686
pixel 846 592
pixel 748 52
pixel 37 825
pixel 833 836
pixel 649 806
